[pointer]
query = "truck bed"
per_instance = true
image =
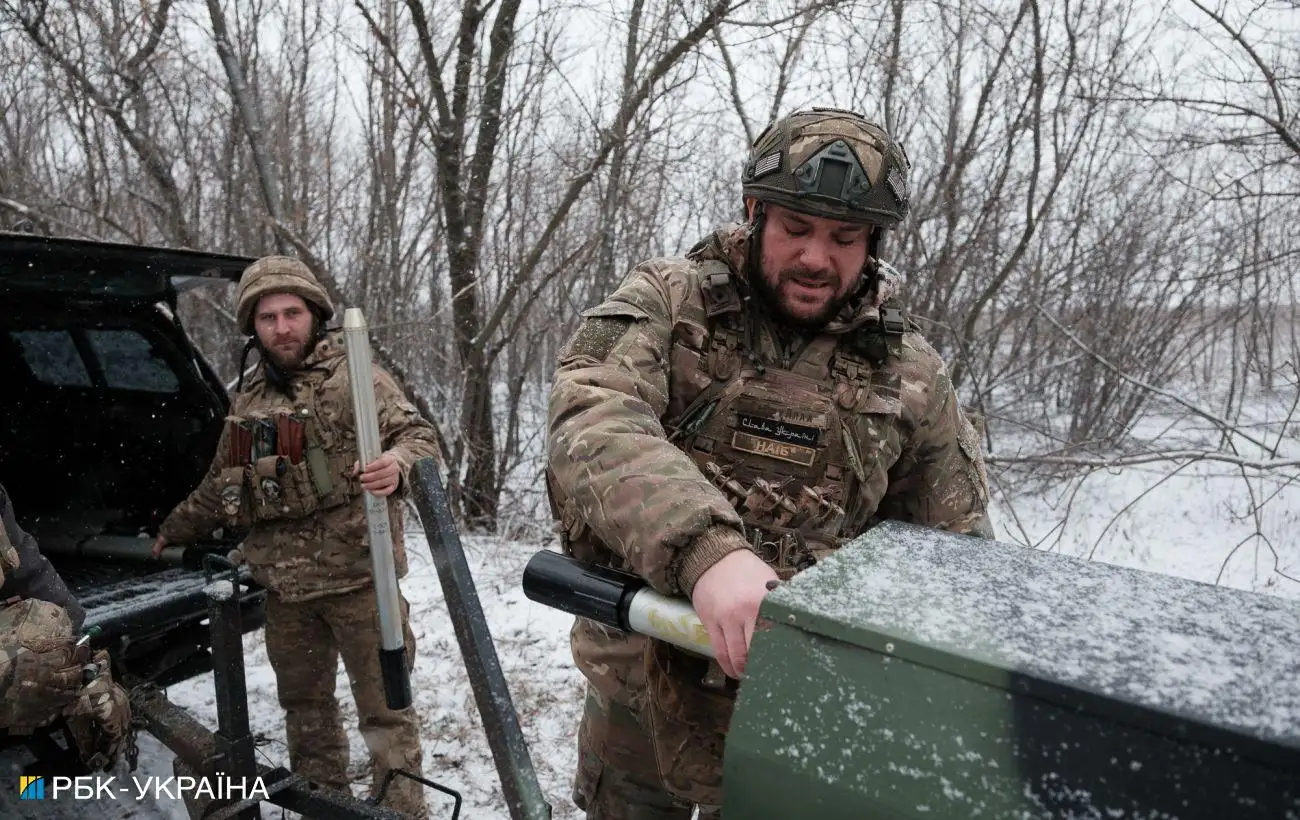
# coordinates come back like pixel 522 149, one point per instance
pixel 153 620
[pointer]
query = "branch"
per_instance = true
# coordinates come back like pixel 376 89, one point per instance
pixel 251 114
pixel 35 213
pixel 221 309
pixel 811 8
pixel 612 136
pixel 433 68
pixel 1223 424
pixel 522 314
pixel 156 28
pixel 502 39
pixel 156 163
pixel 1278 124
pixel 733 85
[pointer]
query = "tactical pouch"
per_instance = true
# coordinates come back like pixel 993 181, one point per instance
pixel 280 489
pixel 99 720
pixel 688 709
pixel 239 442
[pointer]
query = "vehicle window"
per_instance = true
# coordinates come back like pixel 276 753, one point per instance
pixel 52 357
pixel 130 363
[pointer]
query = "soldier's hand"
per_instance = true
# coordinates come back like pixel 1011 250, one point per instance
pixel 158 544
pixel 381 476
pixel 726 598
pixel 64 682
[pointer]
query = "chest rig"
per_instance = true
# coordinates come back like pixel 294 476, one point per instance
pixel 781 439
pixel 289 459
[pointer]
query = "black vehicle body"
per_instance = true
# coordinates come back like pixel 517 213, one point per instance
pixel 109 416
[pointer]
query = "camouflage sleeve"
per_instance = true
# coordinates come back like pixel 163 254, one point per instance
pixel 405 433
pixel 612 466
pixel 939 480
pixel 200 513
pixel 35 576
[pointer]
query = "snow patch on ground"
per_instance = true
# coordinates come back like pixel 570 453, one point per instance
pixel 532 646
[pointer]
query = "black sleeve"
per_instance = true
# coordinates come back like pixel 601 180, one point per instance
pixel 35 576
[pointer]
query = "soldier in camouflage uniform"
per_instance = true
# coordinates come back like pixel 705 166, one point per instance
pixel 44 676
pixel 286 468
pixel 725 420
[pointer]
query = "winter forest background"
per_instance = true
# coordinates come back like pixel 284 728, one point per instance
pixel 1102 244
pixel 1102 241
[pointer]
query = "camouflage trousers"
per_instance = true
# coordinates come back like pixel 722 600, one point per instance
pixel 617 776
pixel 303 642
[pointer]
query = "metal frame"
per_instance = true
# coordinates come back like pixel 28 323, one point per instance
pixel 231 750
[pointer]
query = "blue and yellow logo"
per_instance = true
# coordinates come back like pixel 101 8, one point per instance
pixel 31 788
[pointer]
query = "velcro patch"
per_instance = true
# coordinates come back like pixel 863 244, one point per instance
pixel 767 164
pixel 598 336
pixel 779 431
pixel 897 181
pixel 805 456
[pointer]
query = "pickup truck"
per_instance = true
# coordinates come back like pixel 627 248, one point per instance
pixel 109 416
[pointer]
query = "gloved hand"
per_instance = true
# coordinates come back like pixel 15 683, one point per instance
pixel 39 661
pixel 99 719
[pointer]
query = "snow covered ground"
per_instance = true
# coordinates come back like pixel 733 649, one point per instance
pixel 532 645
pixel 1198 523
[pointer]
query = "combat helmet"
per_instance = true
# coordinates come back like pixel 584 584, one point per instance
pixel 831 163
pixel 278 274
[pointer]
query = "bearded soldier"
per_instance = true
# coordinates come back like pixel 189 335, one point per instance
pixel 727 419
pixel 286 468
pixel 44 674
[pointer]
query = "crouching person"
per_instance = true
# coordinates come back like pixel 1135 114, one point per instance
pixel 44 675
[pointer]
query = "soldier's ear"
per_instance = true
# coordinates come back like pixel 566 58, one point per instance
pixel 750 204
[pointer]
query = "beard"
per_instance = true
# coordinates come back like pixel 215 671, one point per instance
pixel 771 296
pixel 287 358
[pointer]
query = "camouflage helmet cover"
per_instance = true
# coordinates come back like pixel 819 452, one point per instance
pixel 277 274
pixel 830 163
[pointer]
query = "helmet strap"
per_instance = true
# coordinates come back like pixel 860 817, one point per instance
pixel 754 245
pixel 243 361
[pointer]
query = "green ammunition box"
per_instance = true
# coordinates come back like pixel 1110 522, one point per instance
pixel 921 674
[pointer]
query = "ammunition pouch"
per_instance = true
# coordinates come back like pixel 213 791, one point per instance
pixel 277 489
pixel 281 489
pixel 288 465
pixel 331 477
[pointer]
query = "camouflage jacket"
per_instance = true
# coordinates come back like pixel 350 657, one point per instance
pixel 34 577
pixel 42 672
pixel 308 536
pixel 627 477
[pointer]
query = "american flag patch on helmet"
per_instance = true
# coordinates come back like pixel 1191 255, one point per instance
pixel 897 181
pixel 767 164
